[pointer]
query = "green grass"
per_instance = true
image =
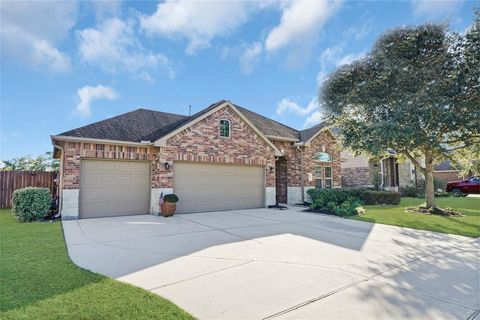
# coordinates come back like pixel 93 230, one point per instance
pixel 39 281
pixel 469 225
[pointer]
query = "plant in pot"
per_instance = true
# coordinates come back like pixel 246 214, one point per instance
pixel 169 205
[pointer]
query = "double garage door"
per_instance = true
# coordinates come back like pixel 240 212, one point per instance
pixel 115 188
pixel 213 187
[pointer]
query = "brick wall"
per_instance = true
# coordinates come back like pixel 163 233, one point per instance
pixel 293 157
pixel 201 142
pixel 324 139
pixel 356 177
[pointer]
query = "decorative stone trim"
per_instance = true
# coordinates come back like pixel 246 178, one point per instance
pixel 270 196
pixel 70 199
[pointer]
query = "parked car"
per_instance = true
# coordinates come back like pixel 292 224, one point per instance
pixel 471 185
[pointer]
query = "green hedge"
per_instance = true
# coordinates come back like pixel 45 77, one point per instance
pixel 330 199
pixel 31 203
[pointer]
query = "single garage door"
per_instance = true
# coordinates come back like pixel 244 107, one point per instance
pixel 114 188
pixel 209 187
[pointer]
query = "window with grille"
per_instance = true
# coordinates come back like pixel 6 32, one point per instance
pixel 224 128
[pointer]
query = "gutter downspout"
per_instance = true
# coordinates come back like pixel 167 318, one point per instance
pixel 60 182
pixel 302 184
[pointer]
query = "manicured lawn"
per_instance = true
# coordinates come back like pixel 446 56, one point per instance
pixel 395 215
pixel 38 281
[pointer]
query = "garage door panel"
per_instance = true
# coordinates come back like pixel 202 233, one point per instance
pixel 208 187
pixel 112 188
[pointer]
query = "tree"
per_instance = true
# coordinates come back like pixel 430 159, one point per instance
pixel 417 92
pixel 28 163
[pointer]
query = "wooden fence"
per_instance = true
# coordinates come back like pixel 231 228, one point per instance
pixel 12 180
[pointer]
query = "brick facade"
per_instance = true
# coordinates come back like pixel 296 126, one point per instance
pixel 201 143
pixel 356 177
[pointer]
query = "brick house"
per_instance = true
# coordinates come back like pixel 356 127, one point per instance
pixel 223 157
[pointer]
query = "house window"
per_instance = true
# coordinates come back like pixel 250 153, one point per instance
pixel 323 177
pixel 224 128
pixel 328 177
pixel 318 177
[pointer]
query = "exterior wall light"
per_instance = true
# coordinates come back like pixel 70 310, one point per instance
pixel 167 166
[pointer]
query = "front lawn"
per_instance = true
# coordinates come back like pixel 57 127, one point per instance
pixel 39 281
pixel 396 215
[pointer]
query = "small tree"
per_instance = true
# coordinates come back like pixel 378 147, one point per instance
pixel 417 92
pixel 28 163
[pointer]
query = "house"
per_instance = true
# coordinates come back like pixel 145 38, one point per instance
pixel 223 157
pixel 359 171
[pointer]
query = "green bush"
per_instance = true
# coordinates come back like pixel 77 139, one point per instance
pixel 170 198
pixel 381 197
pixel 419 190
pixel 346 201
pixel 30 203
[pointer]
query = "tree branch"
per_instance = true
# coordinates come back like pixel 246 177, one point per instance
pixel 414 161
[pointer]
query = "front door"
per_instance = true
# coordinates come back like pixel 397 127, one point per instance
pixel 281 180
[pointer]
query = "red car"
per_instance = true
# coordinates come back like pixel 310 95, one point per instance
pixel 471 185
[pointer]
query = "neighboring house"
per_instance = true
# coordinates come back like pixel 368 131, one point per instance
pixel 445 172
pixel 223 157
pixel 359 171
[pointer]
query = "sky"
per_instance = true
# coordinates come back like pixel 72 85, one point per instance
pixel 65 64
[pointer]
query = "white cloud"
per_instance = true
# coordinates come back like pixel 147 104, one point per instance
pixel 197 21
pixel 250 57
pixel 436 8
pixel 332 58
pixel 88 94
pixel 31 31
pixel 114 47
pixel 287 105
pixel 311 112
pixel 107 9
pixel 300 22
pixel 313 119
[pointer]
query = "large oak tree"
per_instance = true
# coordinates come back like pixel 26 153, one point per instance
pixel 417 92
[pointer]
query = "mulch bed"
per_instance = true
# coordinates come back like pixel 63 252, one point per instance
pixel 447 212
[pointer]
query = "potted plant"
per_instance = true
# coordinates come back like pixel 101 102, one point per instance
pixel 169 205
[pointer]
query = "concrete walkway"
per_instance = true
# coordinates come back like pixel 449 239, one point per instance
pixel 265 263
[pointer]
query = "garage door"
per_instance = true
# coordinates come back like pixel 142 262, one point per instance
pixel 207 187
pixel 113 188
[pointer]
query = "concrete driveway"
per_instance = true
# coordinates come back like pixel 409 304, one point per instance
pixel 265 263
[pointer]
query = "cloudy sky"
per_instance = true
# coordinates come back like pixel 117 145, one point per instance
pixel 67 64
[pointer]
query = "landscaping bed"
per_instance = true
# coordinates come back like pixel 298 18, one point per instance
pixel 39 281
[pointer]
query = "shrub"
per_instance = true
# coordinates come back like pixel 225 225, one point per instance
pixel 419 190
pixel 347 201
pixel 381 197
pixel 376 180
pixel 172 198
pixel 30 203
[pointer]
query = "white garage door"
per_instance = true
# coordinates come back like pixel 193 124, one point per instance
pixel 114 188
pixel 208 187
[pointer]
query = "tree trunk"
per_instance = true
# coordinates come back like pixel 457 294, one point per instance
pixel 429 186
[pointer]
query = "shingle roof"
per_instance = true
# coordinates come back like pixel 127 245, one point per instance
pixel 306 134
pixel 149 125
pixel 268 126
pixel 135 126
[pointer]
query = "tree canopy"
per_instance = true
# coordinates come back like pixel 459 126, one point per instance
pixel 28 163
pixel 417 92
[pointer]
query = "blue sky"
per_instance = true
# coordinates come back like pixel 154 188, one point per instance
pixel 67 64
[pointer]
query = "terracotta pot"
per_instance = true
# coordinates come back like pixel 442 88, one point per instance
pixel 168 209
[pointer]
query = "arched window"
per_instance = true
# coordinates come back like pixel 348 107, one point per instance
pixel 224 128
